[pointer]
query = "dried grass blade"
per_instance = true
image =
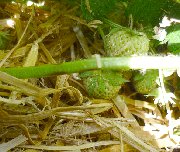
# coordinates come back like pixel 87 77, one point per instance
pixel 32 56
pixel 119 102
pixel 42 46
pixel 127 135
pixel 82 40
pixel 18 27
pixel 20 52
pixel 11 101
pixel 4 147
pixel 25 87
pixel 139 103
pixel 74 147
pixel 31 118
pixel 19 42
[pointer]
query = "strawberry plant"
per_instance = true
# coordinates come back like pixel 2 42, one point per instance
pixel 104 69
pixel 173 38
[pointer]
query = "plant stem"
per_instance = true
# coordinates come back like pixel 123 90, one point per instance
pixel 109 63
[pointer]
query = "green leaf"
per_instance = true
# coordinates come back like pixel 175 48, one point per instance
pixel 174 9
pixel 96 9
pixel 173 38
pixel 3 40
pixel 178 1
pixel 148 12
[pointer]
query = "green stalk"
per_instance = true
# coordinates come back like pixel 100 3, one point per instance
pixel 111 63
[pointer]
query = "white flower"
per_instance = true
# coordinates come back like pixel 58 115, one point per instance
pixel 160 33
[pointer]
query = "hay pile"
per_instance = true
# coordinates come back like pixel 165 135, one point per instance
pixel 55 113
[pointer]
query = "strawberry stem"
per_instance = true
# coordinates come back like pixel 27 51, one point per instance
pixel 109 63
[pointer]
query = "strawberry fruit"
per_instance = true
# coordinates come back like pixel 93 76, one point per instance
pixel 145 83
pixel 102 84
pixel 126 42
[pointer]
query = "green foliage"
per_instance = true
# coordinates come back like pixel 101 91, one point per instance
pixel 96 9
pixel 102 84
pixel 3 39
pixel 145 83
pixel 147 11
pixel 173 38
pixel 69 2
pixel 126 42
pixel 18 1
pixel 174 9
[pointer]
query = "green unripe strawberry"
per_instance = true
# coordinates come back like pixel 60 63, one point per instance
pixel 145 83
pixel 126 42
pixel 102 84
